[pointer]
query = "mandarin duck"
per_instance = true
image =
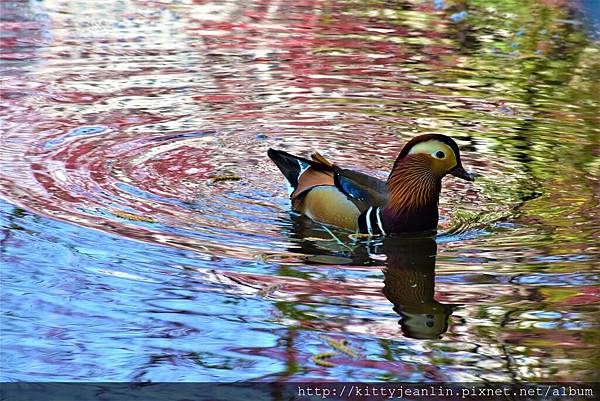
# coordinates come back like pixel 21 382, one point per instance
pixel 406 202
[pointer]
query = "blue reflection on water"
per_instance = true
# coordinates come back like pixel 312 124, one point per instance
pixel 148 310
pixel 79 131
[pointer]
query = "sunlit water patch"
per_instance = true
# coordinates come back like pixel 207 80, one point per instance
pixel 146 235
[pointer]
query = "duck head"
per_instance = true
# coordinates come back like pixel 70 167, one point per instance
pixel 437 152
pixel 414 183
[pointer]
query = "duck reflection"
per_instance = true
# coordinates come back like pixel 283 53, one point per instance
pixel 409 273
pixel 409 284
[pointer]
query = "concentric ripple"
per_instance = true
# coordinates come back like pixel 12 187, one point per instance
pixel 173 189
pixel 167 143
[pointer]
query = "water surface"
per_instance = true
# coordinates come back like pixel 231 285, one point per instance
pixel 146 235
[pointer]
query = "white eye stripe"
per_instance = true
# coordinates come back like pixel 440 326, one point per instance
pixel 431 148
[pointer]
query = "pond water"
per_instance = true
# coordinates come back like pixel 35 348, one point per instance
pixel 147 237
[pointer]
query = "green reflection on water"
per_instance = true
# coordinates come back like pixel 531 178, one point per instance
pixel 518 83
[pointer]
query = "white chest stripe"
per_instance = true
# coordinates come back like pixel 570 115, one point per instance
pixel 379 223
pixel 368 220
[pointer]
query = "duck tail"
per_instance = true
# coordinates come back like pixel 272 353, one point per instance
pixel 292 167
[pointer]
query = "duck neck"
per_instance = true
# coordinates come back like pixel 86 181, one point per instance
pixel 413 196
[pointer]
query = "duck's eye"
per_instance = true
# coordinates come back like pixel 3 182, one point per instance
pixel 439 154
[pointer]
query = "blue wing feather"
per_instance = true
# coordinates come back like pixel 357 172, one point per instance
pixel 349 187
pixel 365 190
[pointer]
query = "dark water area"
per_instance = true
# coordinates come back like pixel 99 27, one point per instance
pixel 147 237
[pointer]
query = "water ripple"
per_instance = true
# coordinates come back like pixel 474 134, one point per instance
pixel 144 223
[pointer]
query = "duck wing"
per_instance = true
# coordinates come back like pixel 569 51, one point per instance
pixel 304 174
pixel 364 190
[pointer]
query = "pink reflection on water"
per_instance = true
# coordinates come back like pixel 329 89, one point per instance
pixel 259 68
